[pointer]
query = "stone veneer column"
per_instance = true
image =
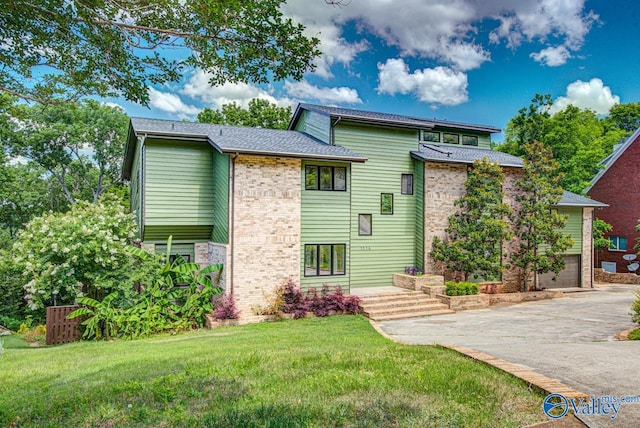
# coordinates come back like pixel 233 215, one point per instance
pixel 443 185
pixel 266 241
pixel 587 247
pixel 511 277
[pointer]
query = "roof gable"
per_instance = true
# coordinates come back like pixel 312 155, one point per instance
pixel 613 157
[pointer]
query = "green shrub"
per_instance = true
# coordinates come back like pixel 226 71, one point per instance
pixel 461 288
pixel 635 309
pixel 634 335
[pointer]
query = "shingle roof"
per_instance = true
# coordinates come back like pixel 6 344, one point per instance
pixel 387 118
pixel 463 154
pixel 613 157
pixel 574 200
pixel 232 139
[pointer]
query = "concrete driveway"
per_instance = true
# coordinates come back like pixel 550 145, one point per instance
pixel 570 339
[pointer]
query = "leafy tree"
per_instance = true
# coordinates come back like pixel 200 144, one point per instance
pixel 600 228
pixel 626 116
pixel 54 49
pixel 81 252
pixel 578 138
pixel 536 223
pixel 260 114
pixel 79 145
pixel 475 233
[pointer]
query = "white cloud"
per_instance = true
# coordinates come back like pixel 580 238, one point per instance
pixel 305 90
pixel 439 85
pixel 552 56
pixel 171 103
pixel 441 30
pixel 592 95
pixel 199 88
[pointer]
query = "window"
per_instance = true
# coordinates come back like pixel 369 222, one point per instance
pixel 407 184
pixel 451 138
pixel 325 178
pixel 386 203
pixel 324 259
pixel 618 243
pixel 469 140
pixel 431 136
pixel 364 224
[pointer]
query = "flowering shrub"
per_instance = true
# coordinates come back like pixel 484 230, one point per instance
pixel 80 252
pixel 413 271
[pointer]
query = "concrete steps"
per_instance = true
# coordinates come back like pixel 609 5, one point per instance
pixel 400 305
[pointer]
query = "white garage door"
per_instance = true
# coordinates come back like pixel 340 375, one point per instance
pixel 569 277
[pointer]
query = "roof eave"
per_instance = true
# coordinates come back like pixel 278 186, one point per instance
pixel 467 162
pixel 231 150
pixel 614 158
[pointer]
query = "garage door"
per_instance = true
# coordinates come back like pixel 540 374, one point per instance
pixel 569 277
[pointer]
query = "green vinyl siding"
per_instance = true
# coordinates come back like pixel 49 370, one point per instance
pixel 135 188
pixel 178 184
pixel 315 124
pixel 220 232
pixel 573 227
pixel 325 219
pixel 182 233
pixel 391 247
pixel 418 190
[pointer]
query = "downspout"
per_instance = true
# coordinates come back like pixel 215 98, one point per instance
pixel 332 137
pixel 231 220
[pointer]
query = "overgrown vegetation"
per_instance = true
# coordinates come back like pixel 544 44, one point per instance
pixel 634 335
pixel 476 231
pixel 259 114
pixel 334 371
pixel 288 298
pixel 461 288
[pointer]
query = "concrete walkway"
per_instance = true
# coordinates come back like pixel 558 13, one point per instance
pixel 570 339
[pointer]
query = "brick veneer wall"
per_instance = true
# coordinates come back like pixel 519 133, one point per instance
pixel 443 185
pixel 266 227
pixel 512 276
pixel 619 187
pixel 587 247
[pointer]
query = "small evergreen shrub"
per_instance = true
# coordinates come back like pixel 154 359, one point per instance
pixel 461 288
pixel 634 335
pixel 635 309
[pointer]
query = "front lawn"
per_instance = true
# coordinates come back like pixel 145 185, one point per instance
pixel 334 371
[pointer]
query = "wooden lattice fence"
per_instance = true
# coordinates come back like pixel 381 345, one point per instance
pixel 59 328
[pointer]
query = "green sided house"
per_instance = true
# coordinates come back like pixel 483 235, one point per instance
pixel 343 197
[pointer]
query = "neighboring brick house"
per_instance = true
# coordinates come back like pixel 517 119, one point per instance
pixel 618 185
pixel 343 197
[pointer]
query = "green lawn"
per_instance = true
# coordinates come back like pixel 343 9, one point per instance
pixel 334 371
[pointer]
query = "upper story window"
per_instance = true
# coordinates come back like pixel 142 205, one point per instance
pixel 469 140
pixel 431 136
pixel 617 243
pixel 451 138
pixel 325 178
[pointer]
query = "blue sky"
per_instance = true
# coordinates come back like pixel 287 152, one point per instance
pixel 476 61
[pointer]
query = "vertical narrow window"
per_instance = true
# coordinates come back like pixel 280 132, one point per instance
pixel 339 259
pixel 325 260
pixel 364 224
pixel 386 203
pixel 310 260
pixel 326 178
pixel 407 184
pixel 339 178
pixel 311 178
